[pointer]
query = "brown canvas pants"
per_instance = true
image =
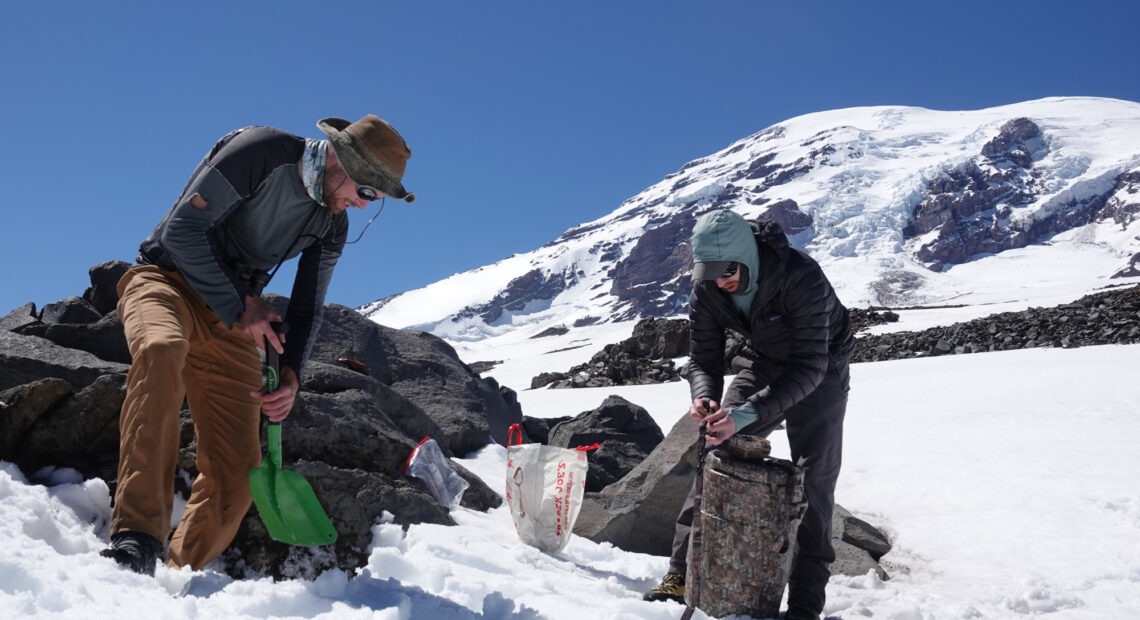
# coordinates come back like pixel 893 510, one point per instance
pixel 181 350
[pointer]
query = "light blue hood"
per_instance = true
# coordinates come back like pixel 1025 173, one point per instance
pixel 724 235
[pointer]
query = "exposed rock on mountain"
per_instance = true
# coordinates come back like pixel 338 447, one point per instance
pixel 971 208
pixel 636 278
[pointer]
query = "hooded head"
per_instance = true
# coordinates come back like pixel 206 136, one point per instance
pixel 722 237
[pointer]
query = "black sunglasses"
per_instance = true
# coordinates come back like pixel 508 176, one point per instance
pixel 368 193
pixel 730 270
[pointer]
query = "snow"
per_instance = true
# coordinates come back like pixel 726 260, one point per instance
pixel 860 201
pixel 1006 482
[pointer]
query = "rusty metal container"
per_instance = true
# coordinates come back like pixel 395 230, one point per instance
pixel 751 506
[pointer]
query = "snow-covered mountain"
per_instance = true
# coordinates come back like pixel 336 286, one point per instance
pixel 902 206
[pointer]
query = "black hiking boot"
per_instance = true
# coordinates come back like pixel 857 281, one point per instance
pixel 134 550
pixel 800 612
pixel 672 588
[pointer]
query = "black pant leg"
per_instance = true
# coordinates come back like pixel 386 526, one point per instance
pixel 815 435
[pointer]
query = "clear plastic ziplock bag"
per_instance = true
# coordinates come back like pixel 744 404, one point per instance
pixel 428 463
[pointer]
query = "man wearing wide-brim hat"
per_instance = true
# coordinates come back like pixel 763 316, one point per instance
pixel 194 320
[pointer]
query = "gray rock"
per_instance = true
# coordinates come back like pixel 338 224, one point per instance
pixel 70 310
pixel 1108 317
pixel 659 338
pixel 423 369
pixel 321 378
pixel 503 408
pixel 857 532
pixel 637 513
pixel 81 432
pixel 853 561
pixel 23 405
pixel 24 359
pixel 537 430
pixel 103 293
pixel 24 315
pixel 104 338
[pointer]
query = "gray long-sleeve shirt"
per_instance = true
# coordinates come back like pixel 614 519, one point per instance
pixel 243 212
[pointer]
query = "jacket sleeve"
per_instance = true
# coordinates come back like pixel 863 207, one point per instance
pixel 225 179
pixel 307 301
pixel 809 301
pixel 706 348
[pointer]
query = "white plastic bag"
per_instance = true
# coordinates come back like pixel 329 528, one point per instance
pixel 544 490
pixel 428 463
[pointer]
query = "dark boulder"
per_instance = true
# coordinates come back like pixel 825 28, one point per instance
pixel 537 430
pixel 422 368
pixel 103 294
pixel 49 423
pixel 24 315
pixel 24 359
pixel 103 338
pixel 625 433
pixel 70 310
pixel 658 338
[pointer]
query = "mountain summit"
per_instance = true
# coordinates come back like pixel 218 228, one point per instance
pixel 900 205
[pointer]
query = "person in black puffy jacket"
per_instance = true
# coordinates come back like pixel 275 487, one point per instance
pixel 794 371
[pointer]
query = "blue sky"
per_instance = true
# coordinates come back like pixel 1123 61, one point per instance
pixel 524 118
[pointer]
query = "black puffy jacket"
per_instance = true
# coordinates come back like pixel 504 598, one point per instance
pixel 797 328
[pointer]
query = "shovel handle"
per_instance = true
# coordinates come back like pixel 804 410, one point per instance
pixel 271 371
pixel 273 443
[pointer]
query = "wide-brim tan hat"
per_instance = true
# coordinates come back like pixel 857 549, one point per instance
pixel 371 152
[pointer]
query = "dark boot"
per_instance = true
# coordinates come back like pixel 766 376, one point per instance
pixel 134 550
pixel 672 588
pixel 798 612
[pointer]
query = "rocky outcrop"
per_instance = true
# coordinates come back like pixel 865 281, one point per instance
pixel 969 210
pixel 643 358
pixel 788 215
pixel 350 431
pixel 25 359
pixel 1111 317
pixel 534 286
pixel 1123 207
pixel 662 252
pixel 423 369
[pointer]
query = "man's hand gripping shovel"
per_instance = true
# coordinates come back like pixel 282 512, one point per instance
pixel 290 510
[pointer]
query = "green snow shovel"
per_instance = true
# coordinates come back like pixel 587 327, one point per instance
pixel 290 510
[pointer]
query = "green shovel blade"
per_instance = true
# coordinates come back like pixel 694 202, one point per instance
pixel 290 510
